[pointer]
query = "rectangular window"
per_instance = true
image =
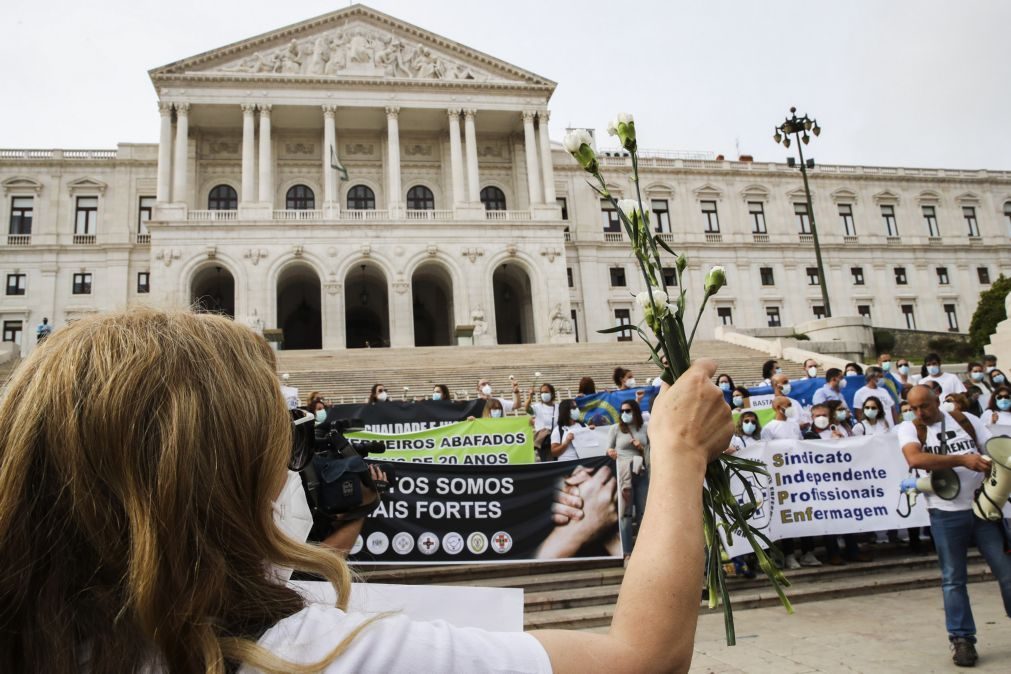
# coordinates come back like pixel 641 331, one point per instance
pixel 661 214
pixel 144 214
pixel 888 215
pixel 864 310
pixel 710 218
pixel 86 216
pixel 803 217
pixel 846 216
pixel 818 310
pixel 564 205
pixel 12 332
pixel 858 275
pixel 670 277
pixel 1007 214
pixel 623 317
pixel 772 314
pixel 612 223
pixel 949 313
pixel 757 211
pixel 942 276
pixel 768 278
pixel 907 311
pixel 725 315
pixel 575 323
pixel 900 276
pixel 930 217
pixel 16 284
pixel 812 276
pixel 82 284
pixel 984 275
pixel 568 273
pixel 143 282
pixel 617 277
pixel 969 213
pixel 22 209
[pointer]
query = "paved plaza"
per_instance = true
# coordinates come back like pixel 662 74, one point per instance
pixel 896 632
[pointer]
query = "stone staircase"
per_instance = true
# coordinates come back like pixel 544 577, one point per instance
pixel 347 375
pixel 582 594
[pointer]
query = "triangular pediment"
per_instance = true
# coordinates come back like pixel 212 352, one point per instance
pixel 356 43
pixel 87 184
pixel 21 184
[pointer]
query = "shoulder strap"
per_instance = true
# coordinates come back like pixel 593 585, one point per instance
pixel 921 431
pixel 966 426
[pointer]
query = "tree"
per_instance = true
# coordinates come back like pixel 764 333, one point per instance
pixel 989 312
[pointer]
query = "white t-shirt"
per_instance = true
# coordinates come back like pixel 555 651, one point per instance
pixel 398 644
pixel 545 415
pixel 1003 418
pixel 781 430
pixel 570 451
pixel 880 427
pixel 739 442
pixel 959 442
pixel 948 382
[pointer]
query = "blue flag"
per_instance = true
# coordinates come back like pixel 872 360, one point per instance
pixel 602 408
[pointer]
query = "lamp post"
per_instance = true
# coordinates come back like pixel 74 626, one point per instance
pixel 796 126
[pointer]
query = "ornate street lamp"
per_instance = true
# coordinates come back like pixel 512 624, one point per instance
pixel 799 128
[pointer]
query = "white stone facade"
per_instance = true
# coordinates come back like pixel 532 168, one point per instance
pixel 240 206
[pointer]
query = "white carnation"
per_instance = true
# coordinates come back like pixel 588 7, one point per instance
pixel 624 118
pixel 575 139
pixel 628 207
pixel 659 298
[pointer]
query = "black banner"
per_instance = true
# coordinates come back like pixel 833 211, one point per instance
pixel 467 514
pixel 396 417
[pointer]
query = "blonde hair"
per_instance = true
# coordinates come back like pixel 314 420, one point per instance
pixel 135 510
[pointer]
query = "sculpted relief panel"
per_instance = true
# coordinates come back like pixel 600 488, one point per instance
pixel 354 51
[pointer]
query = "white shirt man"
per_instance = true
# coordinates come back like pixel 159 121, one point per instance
pixel 484 391
pixel 948 382
pixel 784 426
pixel 879 392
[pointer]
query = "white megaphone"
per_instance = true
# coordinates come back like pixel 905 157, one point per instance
pixel 942 483
pixel 993 494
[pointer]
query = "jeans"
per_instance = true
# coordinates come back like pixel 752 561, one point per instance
pixel 953 532
pixel 640 485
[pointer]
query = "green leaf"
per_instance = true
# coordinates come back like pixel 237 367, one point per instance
pixel 617 328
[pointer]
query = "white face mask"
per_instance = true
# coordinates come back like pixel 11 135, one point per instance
pixel 841 415
pixel 850 373
pixel 871 413
pixel 630 382
pixel 842 383
pixel 990 368
pixel 292 516
pixel 821 423
pixel 382 396
pixel 437 395
pixel 575 415
pixel 948 406
pixel 626 417
pixel 495 414
pixel 486 389
pixel 779 370
pixel 790 412
pixel 546 397
pixel 812 372
pixel 786 388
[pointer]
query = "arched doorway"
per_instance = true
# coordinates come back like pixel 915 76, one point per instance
pixel 212 290
pixel 514 310
pixel 367 307
pixel 433 306
pixel 298 308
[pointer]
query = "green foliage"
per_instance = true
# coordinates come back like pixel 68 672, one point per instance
pixel 884 341
pixel 951 349
pixel 989 312
pixel 799 337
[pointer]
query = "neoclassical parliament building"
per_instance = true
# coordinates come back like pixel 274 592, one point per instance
pixel 357 181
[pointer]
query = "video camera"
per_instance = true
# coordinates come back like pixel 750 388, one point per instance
pixel 334 473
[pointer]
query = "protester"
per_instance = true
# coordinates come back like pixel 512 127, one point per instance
pixel 493 409
pixel 747 431
pixel 313 397
pixel 948 382
pixel 956 402
pixel 874 417
pixel 784 426
pixel 769 368
pixel 996 378
pixel 43 330
pixel 781 387
pixel 834 383
pixel 937 440
pixel 628 444
pixel 485 391
pixel 999 411
pixel 378 394
pixel 902 375
pixel 544 414
pixel 885 362
pixel 841 416
pixel 935 387
pixel 810 368
pixel 725 382
pixel 441 392
pixel 989 362
pixel 564 431
pixel 823 427
pixel 586 386
pixel 740 398
pixel 977 387
pixel 623 379
pixel 874 377
pixel 853 369
pixel 906 412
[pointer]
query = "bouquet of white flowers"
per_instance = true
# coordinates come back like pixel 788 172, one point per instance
pixel 663 315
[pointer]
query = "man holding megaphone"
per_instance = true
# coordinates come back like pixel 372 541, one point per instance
pixel 947 444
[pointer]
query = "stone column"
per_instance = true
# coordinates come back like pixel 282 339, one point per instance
pixel 456 157
pixel 470 137
pixel 165 154
pixel 393 159
pixel 546 165
pixel 266 162
pixel 533 170
pixel 329 150
pixel 182 150
pixel 248 153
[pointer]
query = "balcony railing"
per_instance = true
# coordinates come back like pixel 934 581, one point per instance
pixel 893 239
pixel 507 215
pixel 666 237
pixel 364 214
pixel 141 238
pixel 19 239
pixel 850 239
pixel 568 237
pixel 932 240
pixel 714 237
pixel 429 214
pixel 212 216
pixel 760 237
pixel 298 215
pixel 806 238
pixel 85 239
pixel 613 237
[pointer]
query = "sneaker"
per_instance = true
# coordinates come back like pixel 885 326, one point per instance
pixel 809 560
pixel 791 562
pixel 963 652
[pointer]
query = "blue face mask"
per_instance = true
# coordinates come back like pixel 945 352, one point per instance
pixel 908 415
pixel 1004 404
pixel 437 395
pixel 748 427
pixel 933 370
pixel 495 414
pixel 724 386
pixel 738 401
pixel 320 416
pixel 998 379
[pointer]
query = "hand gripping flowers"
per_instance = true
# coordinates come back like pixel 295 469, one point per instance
pixel 664 318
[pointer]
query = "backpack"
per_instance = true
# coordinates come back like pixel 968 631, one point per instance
pixel 921 428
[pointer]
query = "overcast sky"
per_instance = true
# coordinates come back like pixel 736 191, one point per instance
pixel 893 82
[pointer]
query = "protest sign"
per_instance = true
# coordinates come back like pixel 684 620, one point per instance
pixel 394 417
pixel 467 514
pixel 477 442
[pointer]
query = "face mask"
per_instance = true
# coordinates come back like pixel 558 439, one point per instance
pixel 382 396
pixel 821 422
pixel 933 370
pixel 840 415
pixel 1004 404
pixel 486 389
pixel 576 415
pixel 977 376
pixel 842 383
pixel 437 395
pixel 786 389
pixel 292 516
pixel 790 412
pixel 779 370
pixel 948 406
pixel 886 366
pixel 738 401
pixel 812 372
pixel 908 415
pixel 990 368
pixel 626 417
pixel 850 373
pixel 998 379
pixel 320 416
pixel 748 427
pixel 870 413
pixel 903 370
pixel 545 397
pixel 724 385
pixel 630 382
pixel 495 414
